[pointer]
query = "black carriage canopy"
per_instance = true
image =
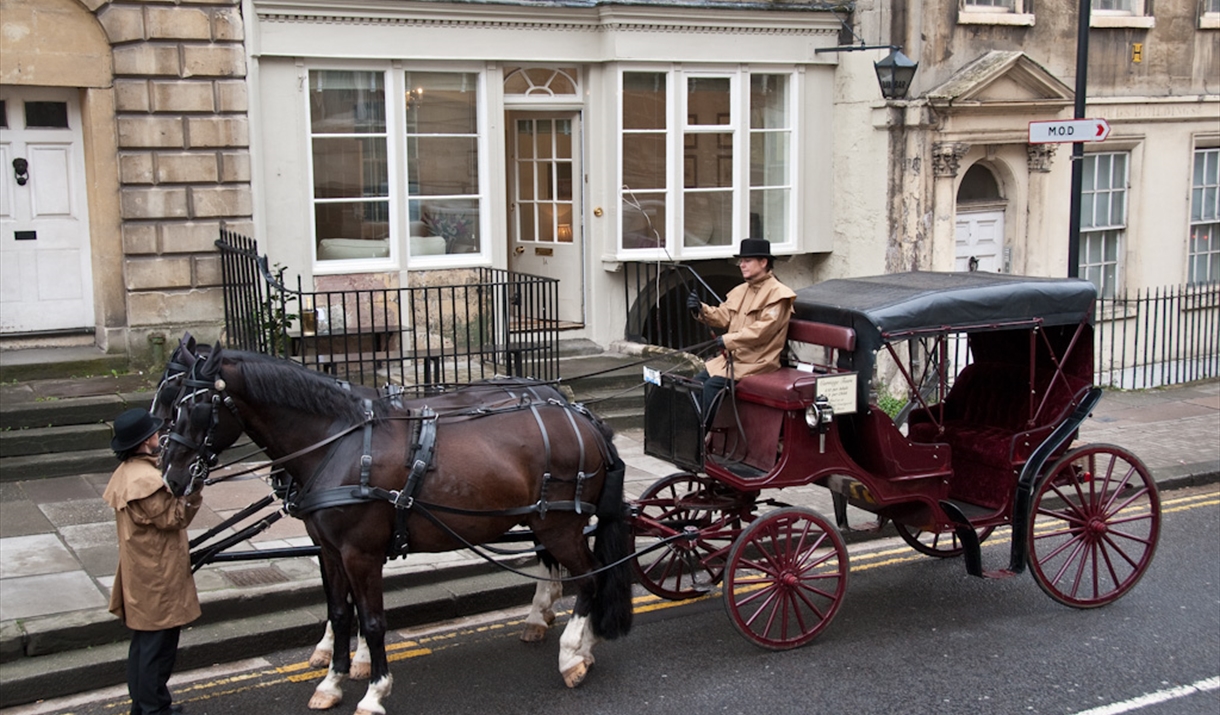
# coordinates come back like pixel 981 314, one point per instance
pixel 890 307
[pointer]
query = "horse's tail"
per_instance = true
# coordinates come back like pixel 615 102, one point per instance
pixel 612 611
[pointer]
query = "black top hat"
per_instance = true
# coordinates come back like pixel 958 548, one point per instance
pixel 133 427
pixel 755 248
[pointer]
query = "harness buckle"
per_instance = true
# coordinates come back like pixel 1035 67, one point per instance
pixel 366 461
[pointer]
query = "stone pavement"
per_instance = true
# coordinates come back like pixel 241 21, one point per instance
pixel 58 556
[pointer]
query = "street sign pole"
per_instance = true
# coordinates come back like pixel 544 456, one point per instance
pixel 1082 72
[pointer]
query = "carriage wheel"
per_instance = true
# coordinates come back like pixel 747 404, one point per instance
pixel 786 577
pixel 943 544
pixel 1094 526
pixel 707 512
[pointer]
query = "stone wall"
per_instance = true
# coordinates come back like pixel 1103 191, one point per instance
pixel 183 154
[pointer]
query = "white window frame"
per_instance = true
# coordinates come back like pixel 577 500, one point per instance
pixel 1136 17
pixel 393 151
pixel 976 13
pixel 1099 232
pixel 674 247
pixel 1209 16
pixel 1207 216
pixel 394 74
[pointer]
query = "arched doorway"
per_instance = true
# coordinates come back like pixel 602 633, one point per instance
pixel 979 232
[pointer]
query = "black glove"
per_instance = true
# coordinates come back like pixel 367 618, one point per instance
pixel 719 342
pixel 693 303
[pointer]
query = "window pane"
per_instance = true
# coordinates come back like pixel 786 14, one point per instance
pixel 769 159
pixel 1103 172
pixel 707 100
pixel 643 220
pixel 346 102
pixel 769 214
pixel 1086 211
pixel 352 229
pixel 350 167
pixel 709 165
pixel 644 161
pixel 708 218
pixel 643 100
pixel 563 178
pixel 1089 173
pixel 442 103
pixel 46 115
pixel 456 220
pixel 769 101
pixel 443 165
pixel 543 139
pixel 3 114
pixel 525 180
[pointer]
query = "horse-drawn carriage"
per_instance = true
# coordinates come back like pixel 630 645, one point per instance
pixel 999 375
pixel 999 370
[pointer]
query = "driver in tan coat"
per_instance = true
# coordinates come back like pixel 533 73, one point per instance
pixel 755 317
pixel 154 591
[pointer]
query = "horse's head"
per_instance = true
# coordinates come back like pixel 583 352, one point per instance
pixel 205 423
pixel 170 388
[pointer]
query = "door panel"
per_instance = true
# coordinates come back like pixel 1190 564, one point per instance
pixel 44 235
pixel 979 235
pixel 544 203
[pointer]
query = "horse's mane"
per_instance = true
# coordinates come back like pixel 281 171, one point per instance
pixel 292 386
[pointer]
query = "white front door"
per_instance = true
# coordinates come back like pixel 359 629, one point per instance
pixel 544 186
pixel 980 241
pixel 46 280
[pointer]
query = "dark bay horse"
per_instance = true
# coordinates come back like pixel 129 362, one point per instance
pixel 176 381
pixel 545 464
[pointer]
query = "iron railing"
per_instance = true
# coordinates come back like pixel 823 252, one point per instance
pixel 1159 336
pixel 453 327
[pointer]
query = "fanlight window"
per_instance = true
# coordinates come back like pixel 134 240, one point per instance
pixel 545 82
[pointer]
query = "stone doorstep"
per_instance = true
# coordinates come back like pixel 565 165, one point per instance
pixel 80 669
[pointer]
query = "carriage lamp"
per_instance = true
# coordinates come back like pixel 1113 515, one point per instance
pixel 818 416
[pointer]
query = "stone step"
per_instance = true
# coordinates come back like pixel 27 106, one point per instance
pixel 59 363
pixel 54 440
pixel 61 464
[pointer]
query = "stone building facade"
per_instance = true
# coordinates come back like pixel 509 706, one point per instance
pixel 164 135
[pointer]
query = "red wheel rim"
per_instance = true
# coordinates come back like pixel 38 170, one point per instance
pixel 786 578
pixel 1094 526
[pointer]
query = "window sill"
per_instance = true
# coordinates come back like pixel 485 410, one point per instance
pixel 1210 22
pixel 1138 22
pixel 1017 19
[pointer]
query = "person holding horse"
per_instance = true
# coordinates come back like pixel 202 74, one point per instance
pixel 755 317
pixel 154 592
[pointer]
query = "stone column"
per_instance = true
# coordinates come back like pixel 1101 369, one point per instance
pixel 945 158
pixel 1038 245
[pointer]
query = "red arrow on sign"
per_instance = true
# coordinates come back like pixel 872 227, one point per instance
pixel 1069 131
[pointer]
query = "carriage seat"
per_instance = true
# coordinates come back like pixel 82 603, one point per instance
pixel 788 388
pixel 987 414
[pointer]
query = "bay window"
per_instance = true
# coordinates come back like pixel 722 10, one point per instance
pixel 707 160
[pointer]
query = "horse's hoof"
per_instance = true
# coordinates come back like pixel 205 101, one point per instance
pixel 360 671
pixel 533 633
pixel 576 674
pixel 324 701
pixel 366 711
pixel 320 659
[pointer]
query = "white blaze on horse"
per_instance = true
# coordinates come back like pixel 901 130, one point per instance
pixel 370 481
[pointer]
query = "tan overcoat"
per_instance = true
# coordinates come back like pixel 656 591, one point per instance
pixel 756 315
pixel 153 589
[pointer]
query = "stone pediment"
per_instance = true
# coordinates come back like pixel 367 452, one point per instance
pixel 1001 80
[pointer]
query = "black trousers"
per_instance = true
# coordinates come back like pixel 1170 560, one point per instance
pixel 150 660
pixel 712 387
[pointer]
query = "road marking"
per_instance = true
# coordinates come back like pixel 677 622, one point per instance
pixel 1160 696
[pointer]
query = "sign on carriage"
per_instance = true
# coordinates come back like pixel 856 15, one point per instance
pixel 1069 130
pixel 840 390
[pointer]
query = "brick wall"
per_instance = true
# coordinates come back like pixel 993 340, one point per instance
pixel 183 151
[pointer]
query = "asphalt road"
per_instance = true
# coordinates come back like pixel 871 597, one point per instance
pixel 915 635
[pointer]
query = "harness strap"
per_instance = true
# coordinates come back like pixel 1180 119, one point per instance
pixel 546 443
pixel 580 465
pixel 426 433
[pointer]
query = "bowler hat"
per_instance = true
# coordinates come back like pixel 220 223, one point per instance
pixel 133 427
pixel 755 248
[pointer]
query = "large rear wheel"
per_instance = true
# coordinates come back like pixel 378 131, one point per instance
pixel 786 577
pixel 699 517
pixel 1094 526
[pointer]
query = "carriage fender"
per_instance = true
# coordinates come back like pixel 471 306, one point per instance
pixel 1032 470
